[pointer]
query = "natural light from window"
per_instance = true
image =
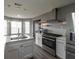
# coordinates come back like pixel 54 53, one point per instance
pixel 5 27
pixel 16 27
pixel 73 17
pixel 27 27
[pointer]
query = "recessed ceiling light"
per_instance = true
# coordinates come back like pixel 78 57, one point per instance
pixel 9 5
pixel 17 4
pixel 24 9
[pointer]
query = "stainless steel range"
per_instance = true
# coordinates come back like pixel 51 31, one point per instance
pixel 49 42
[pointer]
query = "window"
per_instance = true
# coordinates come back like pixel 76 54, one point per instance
pixel 73 17
pixel 27 27
pixel 5 27
pixel 16 27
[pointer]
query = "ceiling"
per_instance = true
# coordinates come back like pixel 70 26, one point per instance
pixel 31 8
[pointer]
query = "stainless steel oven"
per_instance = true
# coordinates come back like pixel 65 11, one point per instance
pixel 49 42
pixel 70 51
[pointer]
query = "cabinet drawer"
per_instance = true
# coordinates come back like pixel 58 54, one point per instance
pixel 13 47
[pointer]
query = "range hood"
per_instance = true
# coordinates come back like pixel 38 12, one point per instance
pixel 55 20
pixel 56 15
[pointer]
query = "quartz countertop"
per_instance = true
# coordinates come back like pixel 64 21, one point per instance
pixel 15 38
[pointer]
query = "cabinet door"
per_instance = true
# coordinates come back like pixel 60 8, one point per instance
pixel 61 49
pixel 38 39
pixel 12 52
pixel 27 49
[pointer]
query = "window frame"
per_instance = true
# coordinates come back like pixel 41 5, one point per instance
pixel 23 27
pixel 17 32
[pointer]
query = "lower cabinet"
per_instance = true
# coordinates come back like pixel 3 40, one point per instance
pixel 12 51
pixel 20 50
pixel 61 48
pixel 38 39
pixel 27 50
pixel 13 54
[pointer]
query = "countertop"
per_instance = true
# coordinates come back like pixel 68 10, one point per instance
pixel 8 39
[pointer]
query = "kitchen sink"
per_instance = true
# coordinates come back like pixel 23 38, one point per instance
pixel 15 37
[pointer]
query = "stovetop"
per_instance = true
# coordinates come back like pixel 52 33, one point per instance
pixel 51 34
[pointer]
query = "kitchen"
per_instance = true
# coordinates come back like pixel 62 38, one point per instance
pixel 41 31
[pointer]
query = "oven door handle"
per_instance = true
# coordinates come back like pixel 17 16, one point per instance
pixel 49 39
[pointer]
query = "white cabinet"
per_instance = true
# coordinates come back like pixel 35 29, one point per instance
pixel 19 50
pixel 61 47
pixel 13 54
pixel 12 51
pixel 38 39
pixel 27 50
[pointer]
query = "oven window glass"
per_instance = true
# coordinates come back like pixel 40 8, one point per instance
pixel 49 43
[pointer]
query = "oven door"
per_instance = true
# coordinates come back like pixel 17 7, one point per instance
pixel 51 43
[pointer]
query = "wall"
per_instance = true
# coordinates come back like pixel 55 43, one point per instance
pixel 66 13
pixel 62 13
pixel 49 15
pixel 8 19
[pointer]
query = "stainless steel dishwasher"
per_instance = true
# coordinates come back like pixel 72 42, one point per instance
pixel 70 51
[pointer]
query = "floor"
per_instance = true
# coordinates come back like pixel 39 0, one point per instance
pixel 39 53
